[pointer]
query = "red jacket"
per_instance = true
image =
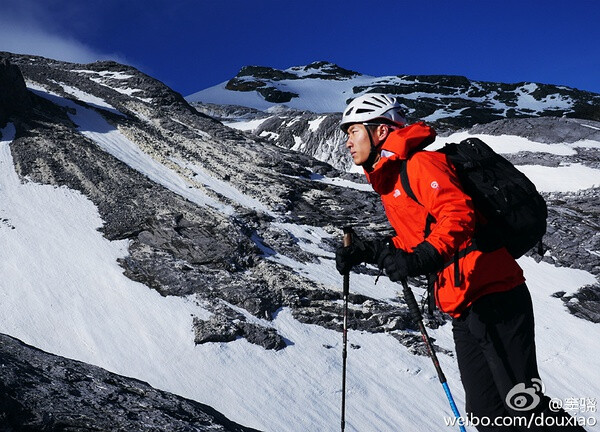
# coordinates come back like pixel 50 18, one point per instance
pixel 436 186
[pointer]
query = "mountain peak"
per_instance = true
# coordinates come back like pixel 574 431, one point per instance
pixel 451 100
pixel 318 69
pixel 324 70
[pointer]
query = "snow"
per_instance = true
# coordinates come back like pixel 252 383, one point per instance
pixel 298 144
pixel 590 126
pixel 249 125
pixel 525 100
pixel 92 100
pixel 586 143
pixel 508 144
pixel 442 113
pixel 563 178
pixel 270 135
pixel 109 74
pixel 313 125
pixel 317 95
pixel 342 182
pixel 225 97
pixel 128 91
pixel 63 291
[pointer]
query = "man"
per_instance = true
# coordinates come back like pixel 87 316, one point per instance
pixel 484 292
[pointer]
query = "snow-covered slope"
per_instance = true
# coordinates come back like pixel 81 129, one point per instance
pixel 64 288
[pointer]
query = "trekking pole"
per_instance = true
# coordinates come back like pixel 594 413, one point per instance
pixel 347 241
pixel 413 307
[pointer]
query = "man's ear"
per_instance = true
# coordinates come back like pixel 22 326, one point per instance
pixel 383 131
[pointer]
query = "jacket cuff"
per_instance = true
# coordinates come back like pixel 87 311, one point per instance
pixel 424 259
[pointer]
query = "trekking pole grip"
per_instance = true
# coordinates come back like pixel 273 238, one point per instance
pixel 348 231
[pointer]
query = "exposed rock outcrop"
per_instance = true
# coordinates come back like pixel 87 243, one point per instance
pixel 43 392
pixel 14 98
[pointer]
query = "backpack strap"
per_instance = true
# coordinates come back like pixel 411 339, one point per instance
pixel 431 277
pixel 406 183
pixel 406 186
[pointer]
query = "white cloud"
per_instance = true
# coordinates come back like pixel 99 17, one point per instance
pixel 26 35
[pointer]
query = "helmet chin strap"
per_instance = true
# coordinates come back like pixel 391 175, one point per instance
pixel 373 153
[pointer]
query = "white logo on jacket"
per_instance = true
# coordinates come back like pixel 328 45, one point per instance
pixel 434 185
pixel 397 193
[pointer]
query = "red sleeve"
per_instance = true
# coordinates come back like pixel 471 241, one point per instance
pixel 436 186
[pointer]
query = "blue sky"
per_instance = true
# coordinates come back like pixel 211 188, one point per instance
pixel 192 45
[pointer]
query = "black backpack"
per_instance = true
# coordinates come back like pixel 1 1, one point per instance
pixel 515 211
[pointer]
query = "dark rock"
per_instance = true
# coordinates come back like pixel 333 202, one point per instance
pixel 265 72
pixel 14 97
pixel 44 392
pixel 585 303
pixel 543 129
pixel 266 337
pixel 222 329
pixel 276 96
pixel 217 329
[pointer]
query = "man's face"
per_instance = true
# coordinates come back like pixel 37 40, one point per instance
pixel 358 143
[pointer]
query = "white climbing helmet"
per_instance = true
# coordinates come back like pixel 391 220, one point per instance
pixel 371 107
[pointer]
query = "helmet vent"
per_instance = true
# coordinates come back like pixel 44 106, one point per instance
pixel 371 103
pixel 382 102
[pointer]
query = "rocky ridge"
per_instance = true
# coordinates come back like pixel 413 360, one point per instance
pixel 448 103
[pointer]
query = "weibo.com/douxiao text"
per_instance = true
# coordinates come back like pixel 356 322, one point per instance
pixel 539 420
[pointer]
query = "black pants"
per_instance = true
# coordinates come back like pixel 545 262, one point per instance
pixel 495 348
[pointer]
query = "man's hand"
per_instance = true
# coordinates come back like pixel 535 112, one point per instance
pixel 359 251
pixel 399 264
pixel 395 263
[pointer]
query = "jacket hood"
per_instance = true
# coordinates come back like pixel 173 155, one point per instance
pixel 403 142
